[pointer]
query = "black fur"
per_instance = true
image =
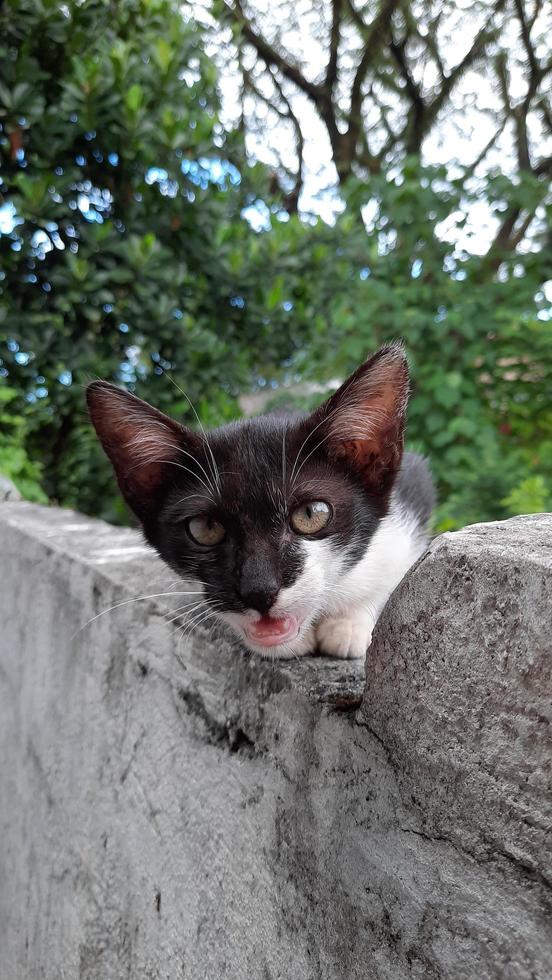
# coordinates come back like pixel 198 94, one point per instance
pixel 261 553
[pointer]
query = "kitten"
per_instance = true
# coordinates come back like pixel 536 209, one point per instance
pixel 296 528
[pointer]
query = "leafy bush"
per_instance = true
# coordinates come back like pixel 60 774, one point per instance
pixel 531 496
pixel 126 215
pixel 478 332
pixel 131 254
pixel 14 461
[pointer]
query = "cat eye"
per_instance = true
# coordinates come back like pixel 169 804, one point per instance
pixel 206 531
pixel 310 518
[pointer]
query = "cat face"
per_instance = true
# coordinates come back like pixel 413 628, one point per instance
pixel 266 514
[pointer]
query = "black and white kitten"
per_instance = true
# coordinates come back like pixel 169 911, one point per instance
pixel 297 529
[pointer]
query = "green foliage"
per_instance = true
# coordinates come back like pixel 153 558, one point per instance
pixel 131 258
pixel 531 496
pixel 478 332
pixel 128 231
pixel 14 461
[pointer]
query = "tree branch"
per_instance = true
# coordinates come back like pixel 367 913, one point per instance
pixel 415 123
pixel 503 77
pixel 525 30
pixel 373 38
pixel 431 41
pixel 522 231
pixel 374 34
pixel 544 167
pixel 392 136
pixel 503 238
pixel 270 54
pixel 546 113
pixel 508 236
pixel 335 36
pixel 292 199
pixel 318 94
pixel 469 172
pixel 477 48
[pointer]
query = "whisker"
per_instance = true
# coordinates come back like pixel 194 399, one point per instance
pixel 187 628
pixel 286 647
pixel 215 472
pixel 185 610
pixel 126 602
pixel 361 435
pixel 190 496
pixel 306 459
pixel 202 468
pixel 209 603
pixel 325 418
pixel 171 462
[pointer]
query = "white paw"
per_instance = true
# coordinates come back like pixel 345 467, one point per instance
pixel 346 637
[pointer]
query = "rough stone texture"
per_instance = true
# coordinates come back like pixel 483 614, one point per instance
pixel 172 808
pixel 8 490
pixel 461 684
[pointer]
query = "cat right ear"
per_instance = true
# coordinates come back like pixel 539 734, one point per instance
pixel 143 444
pixel 362 424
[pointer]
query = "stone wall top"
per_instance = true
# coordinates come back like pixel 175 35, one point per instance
pixel 172 807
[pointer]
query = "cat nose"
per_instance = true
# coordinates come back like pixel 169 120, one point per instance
pixel 262 598
pixel 259 586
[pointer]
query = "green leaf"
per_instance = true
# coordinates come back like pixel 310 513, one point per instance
pixel 276 294
pixel 134 98
pixel 163 55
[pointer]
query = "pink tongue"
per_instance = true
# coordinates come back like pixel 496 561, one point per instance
pixel 266 626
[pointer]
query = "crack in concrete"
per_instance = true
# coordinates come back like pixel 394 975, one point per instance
pixel 225 735
pixel 492 856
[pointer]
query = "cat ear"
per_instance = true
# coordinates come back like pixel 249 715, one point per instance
pixel 142 443
pixel 363 422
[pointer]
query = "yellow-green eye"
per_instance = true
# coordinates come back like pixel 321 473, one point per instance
pixel 310 518
pixel 206 531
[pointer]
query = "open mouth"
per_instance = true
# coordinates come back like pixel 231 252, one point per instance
pixel 272 631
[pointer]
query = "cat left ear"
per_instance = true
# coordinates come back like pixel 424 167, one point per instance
pixel 142 443
pixel 363 422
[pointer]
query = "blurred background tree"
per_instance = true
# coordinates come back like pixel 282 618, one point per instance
pixel 157 166
pixel 388 79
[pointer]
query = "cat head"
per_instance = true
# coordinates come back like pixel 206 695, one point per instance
pixel 268 513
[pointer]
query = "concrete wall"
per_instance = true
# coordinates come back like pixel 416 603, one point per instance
pixel 172 808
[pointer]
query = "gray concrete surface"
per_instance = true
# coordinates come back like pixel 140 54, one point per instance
pixel 8 490
pixel 172 808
